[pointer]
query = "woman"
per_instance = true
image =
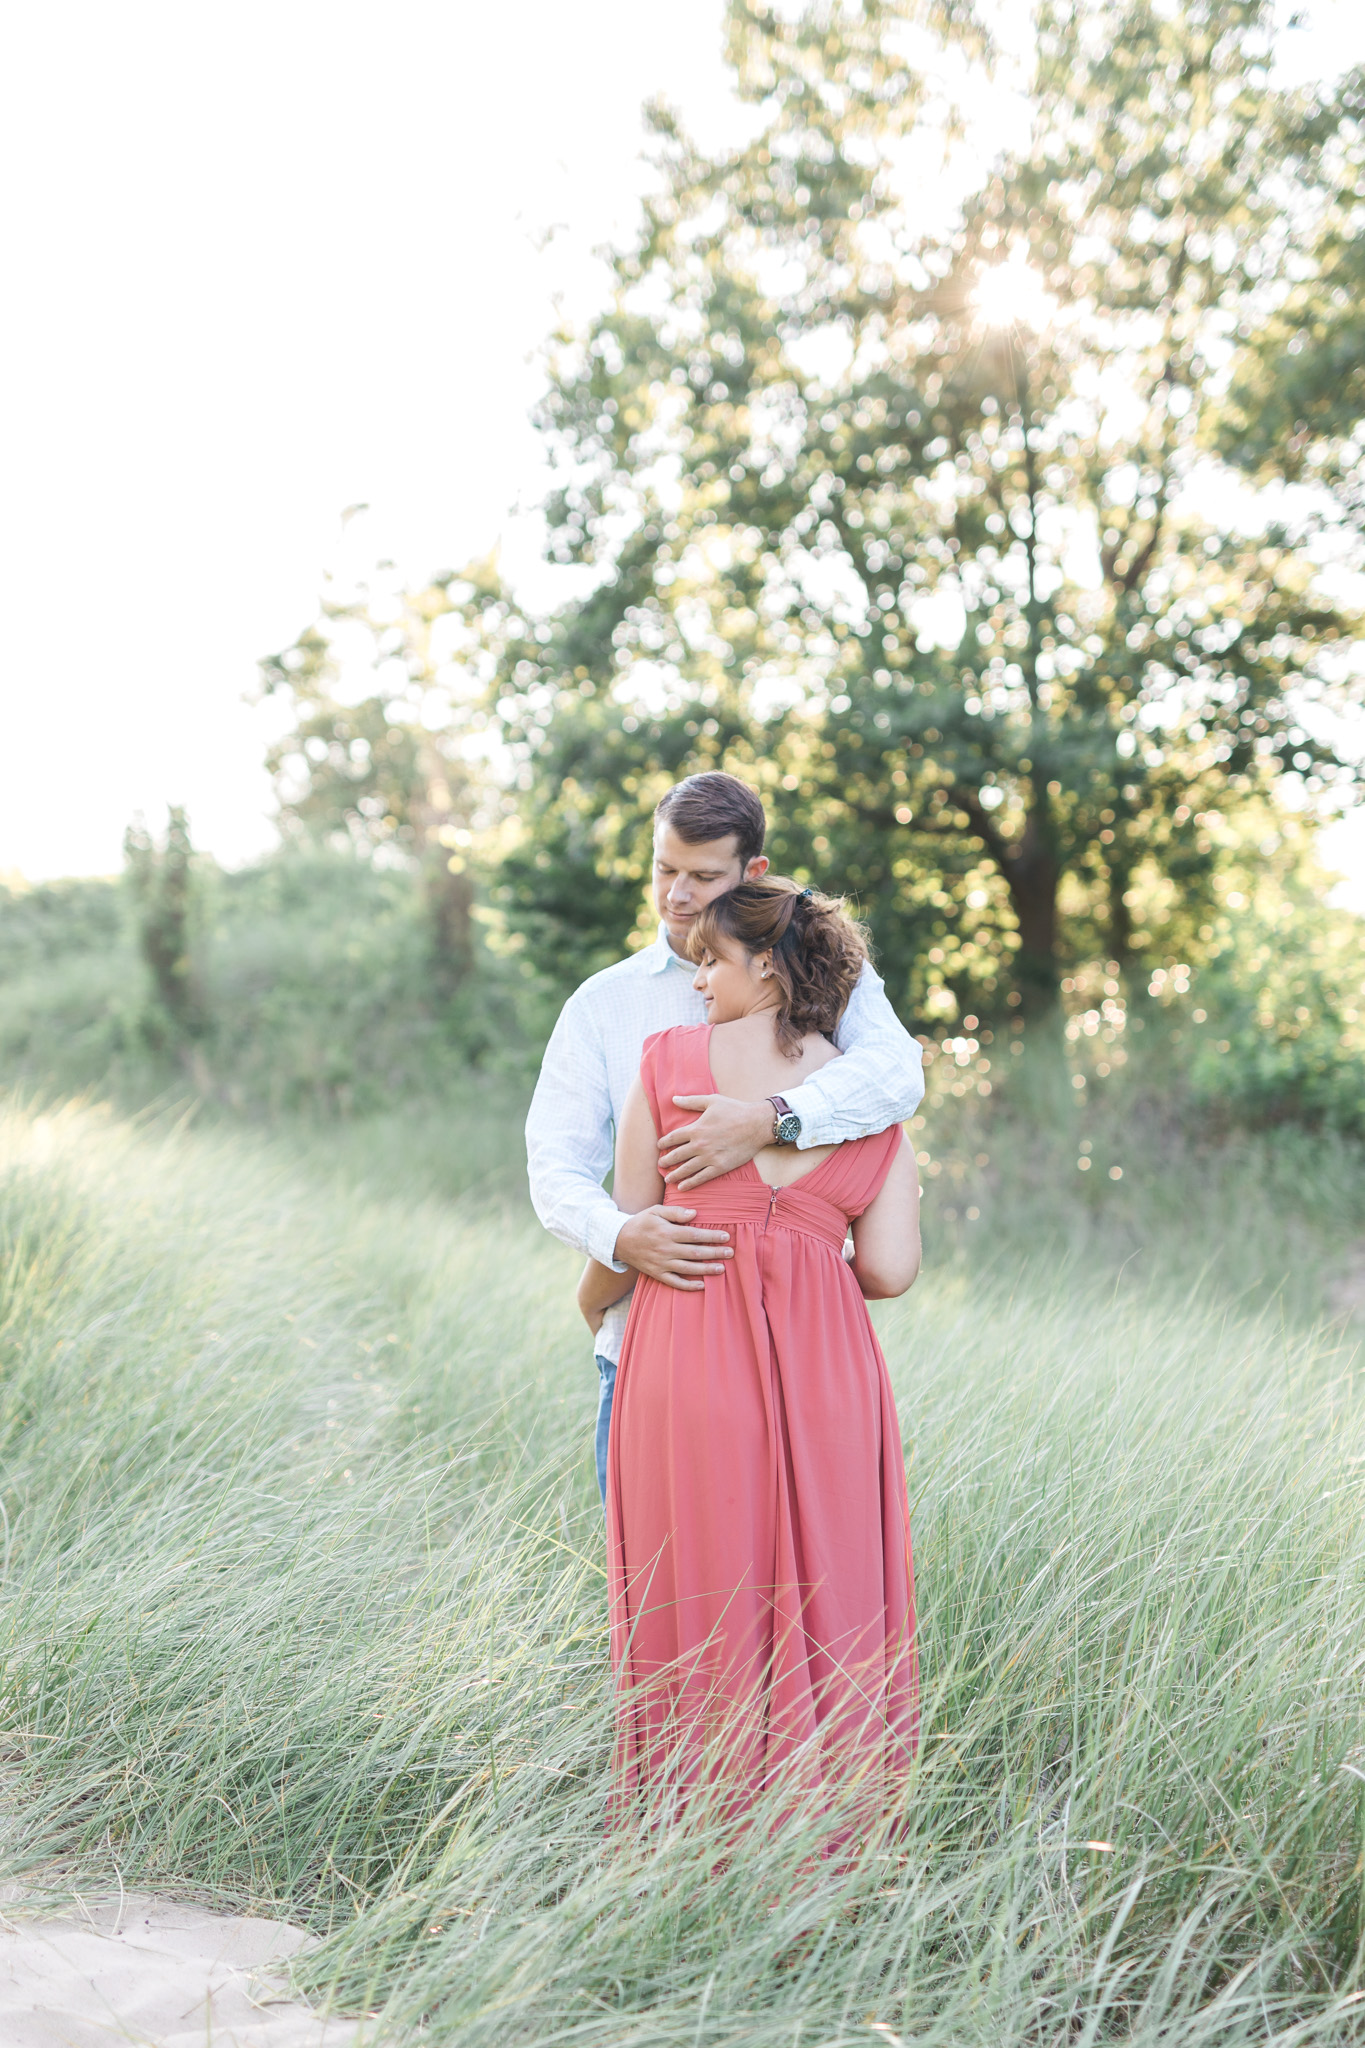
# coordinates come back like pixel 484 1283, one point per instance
pixel 762 1602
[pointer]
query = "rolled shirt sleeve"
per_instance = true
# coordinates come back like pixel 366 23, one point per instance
pixel 878 1082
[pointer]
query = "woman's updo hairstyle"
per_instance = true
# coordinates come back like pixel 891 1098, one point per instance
pixel 818 951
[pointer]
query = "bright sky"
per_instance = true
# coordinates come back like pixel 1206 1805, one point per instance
pixel 265 262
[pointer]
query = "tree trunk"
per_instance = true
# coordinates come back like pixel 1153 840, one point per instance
pixel 164 887
pixel 1120 918
pixel 447 886
pixel 1034 874
pixel 449 891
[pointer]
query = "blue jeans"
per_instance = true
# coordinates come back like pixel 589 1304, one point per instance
pixel 607 1369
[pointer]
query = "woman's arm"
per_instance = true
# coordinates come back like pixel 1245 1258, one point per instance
pixel 886 1249
pixel 636 1185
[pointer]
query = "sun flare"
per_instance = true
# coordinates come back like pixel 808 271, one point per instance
pixel 1011 294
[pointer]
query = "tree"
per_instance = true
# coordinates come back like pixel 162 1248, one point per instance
pixel 162 884
pixel 912 517
pixel 1296 411
pixel 387 690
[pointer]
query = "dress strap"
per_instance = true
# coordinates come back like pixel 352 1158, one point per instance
pixel 674 1062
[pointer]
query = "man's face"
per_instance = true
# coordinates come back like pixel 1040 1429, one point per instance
pixel 687 876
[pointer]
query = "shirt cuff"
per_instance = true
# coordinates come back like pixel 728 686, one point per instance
pixel 603 1231
pixel 817 1124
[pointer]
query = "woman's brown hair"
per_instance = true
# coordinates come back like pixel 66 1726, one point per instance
pixel 818 951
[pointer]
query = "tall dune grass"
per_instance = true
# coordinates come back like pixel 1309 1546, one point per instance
pixel 303 1604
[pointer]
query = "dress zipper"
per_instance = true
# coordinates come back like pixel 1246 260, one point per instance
pixel 772 1204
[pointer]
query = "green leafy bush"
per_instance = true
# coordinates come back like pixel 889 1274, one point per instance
pixel 1280 1038
pixel 315 987
pixel 53 921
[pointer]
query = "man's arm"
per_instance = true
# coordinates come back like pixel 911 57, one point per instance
pixel 637 1186
pixel 878 1082
pixel 569 1139
pixel 568 1151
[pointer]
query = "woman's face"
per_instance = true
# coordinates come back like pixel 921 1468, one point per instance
pixel 734 983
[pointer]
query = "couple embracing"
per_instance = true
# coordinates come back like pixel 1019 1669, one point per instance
pixel 748 1080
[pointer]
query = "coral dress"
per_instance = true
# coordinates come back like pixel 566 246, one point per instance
pixel 762 1598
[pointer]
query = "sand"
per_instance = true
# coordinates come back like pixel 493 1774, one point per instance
pixel 145 1971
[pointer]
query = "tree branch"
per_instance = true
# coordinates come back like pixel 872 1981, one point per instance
pixel 984 826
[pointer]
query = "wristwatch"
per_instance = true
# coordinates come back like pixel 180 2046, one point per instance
pixel 786 1123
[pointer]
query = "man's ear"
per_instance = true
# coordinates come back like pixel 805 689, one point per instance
pixel 759 865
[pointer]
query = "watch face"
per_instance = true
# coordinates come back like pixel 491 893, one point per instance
pixel 788 1128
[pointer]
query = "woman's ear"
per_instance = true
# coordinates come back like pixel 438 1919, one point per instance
pixel 764 964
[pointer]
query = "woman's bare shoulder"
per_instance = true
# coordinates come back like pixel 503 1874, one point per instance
pixel 748 1062
pixel 817 1052
pixel 675 1034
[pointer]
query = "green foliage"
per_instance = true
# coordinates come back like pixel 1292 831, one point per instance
pixel 1258 1026
pixel 1298 394
pixel 53 921
pixel 317 994
pixel 304 1605
pixel 387 690
pixel 936 565
pixel 315 972
pixel 1281 1037
pixel 162 885
pixel 571 883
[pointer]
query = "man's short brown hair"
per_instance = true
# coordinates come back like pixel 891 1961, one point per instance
pixel 715 806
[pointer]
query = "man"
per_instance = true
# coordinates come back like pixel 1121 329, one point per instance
pixel 708 835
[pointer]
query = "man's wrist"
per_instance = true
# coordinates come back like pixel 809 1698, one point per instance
pixel 607 1255
pixel 805 1102
pixel 762 1132
pixel 786 1122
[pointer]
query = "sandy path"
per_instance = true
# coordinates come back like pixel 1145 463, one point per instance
pixel 144 1971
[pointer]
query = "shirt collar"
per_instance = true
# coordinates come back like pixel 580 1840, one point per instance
pixel 661 954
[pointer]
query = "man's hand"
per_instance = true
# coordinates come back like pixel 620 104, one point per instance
pixel 666 1244
pixel 725 1135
